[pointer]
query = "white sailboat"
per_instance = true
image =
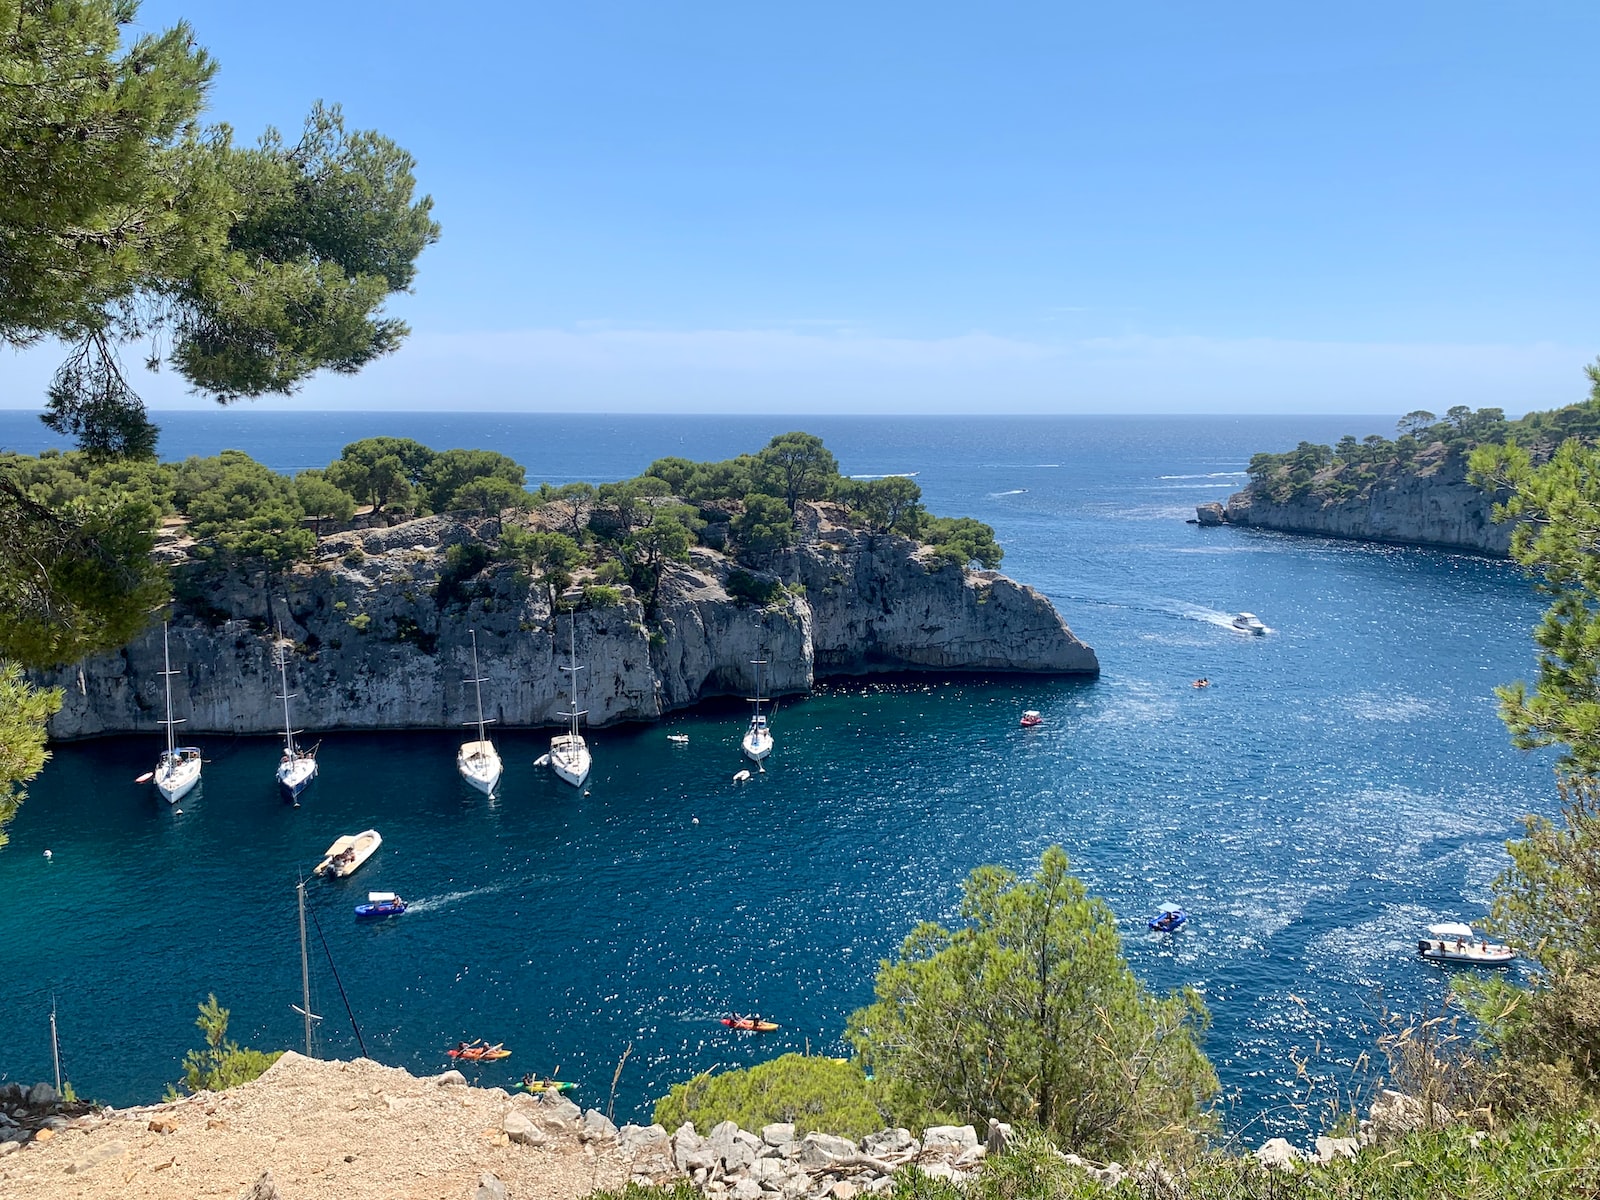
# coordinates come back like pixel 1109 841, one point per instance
pixel 297 768
pixel 569 753
pixel 757 741
pixel 178 768
pixel 479 761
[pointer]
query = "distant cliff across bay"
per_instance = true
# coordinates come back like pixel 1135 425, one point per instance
pixel 1410 490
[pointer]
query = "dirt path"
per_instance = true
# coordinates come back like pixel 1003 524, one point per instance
pixel 340 1130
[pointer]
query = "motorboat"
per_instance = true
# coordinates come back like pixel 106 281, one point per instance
pixel 1456 942
pixel 1031 718
pixel 1248 623
pixel 678 739
pixel 348 852
pixel 1168 919
pixel 381 904
pixel 750 1024
pixel 569 753
pixel 178 769
pixel 298 767
pixel 478 761
pixel 757 740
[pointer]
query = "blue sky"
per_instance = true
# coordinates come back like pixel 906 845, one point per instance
pixel 1162 207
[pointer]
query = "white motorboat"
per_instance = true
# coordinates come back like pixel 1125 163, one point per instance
pixel 1248 623
pixel 569 753
pixel 178 768
pixel 478 761
pixel 297 768
pixel 1455 942
pixel 757 740
pixel 349 852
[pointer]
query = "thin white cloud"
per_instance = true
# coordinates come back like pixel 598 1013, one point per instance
pixel 596 367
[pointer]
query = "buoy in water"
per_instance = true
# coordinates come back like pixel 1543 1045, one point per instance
pixel 693 820
pixel 47 854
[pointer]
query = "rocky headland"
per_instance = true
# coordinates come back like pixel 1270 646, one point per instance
pixel 382 625
pixel 1430 504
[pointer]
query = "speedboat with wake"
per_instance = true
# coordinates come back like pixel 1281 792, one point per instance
pixel 1168 919
pixel 380 904
pixel 1456 942
pixel 1248 623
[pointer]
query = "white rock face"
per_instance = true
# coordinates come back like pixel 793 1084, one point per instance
pixel 1433 507
pixel 378 648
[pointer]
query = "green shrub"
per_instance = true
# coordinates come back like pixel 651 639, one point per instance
pixel 361 622
pixel 355 556
pixel 749 588
pixel 222 1064
pixel 596 596
pixel 825 1094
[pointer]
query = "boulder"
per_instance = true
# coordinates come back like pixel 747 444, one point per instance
pixel 262 1189
pixel 745 1189
pixel 1209 514
pixel 961 1137
pixel 449 1079
pixel 1331 1148
pixel 843 1190
pixel 42 1095
pixel 998 1137
pixel 778 1133
pixel 489 1187
pixel 597 1127
pixel 519 1127
pixel 1395 1112
pixel 1278 1155
pixel 820 1149
pixel 889 1141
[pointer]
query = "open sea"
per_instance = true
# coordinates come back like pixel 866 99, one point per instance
pixel 1343 782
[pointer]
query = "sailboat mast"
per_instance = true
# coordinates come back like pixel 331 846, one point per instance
pixel 477 683
pixel 166 655
pixel 283 677
pixel 305 966
pixel 55 1044
pixel 572 673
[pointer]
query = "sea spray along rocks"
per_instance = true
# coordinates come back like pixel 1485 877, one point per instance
pixel 382 628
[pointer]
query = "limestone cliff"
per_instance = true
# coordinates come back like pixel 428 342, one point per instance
pixel 379 643
pixel 1430 505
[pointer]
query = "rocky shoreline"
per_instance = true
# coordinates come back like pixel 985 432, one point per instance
pixel 1433 506
pixel 382 635
pixel 362 1131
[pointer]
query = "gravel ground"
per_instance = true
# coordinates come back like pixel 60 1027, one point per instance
pixel 345 1130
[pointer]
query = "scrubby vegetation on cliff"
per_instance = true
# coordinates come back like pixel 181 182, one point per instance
pixel 1423 442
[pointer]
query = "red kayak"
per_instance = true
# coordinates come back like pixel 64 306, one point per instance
pixel 474 1053
pixel 749 1024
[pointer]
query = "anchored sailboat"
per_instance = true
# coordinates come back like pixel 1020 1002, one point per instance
pixel 569 753
pixel 757 741
pixel 178 768
pixel 479 761
pixel 297 768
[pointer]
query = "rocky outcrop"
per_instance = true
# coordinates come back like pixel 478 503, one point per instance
pixel 1433 505
pixel 382 628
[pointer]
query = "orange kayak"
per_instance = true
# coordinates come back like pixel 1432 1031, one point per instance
pixel 749 1025
pixel 486 1053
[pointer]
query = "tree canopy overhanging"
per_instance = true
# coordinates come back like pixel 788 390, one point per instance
pixel 124 219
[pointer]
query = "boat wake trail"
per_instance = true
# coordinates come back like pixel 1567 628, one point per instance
pixel 1209 475
pixel 434 903
pixel 1012 492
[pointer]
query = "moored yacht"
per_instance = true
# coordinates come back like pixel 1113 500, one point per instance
pixel 478 761
pixel 297 768
pixel 569 753
pixel 178 768
pixel 757 740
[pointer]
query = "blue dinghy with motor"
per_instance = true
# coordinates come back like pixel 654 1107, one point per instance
pixel 381 904
pixel 1168 919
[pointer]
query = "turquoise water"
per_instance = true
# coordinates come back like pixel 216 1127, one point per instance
pixel 1343 782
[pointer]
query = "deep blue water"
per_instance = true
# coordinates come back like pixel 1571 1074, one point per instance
pixel 1344 781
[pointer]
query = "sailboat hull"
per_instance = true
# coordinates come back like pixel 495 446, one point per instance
pixel 479 764
pixel 177 776
pixel 295 775
pixel 569 758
